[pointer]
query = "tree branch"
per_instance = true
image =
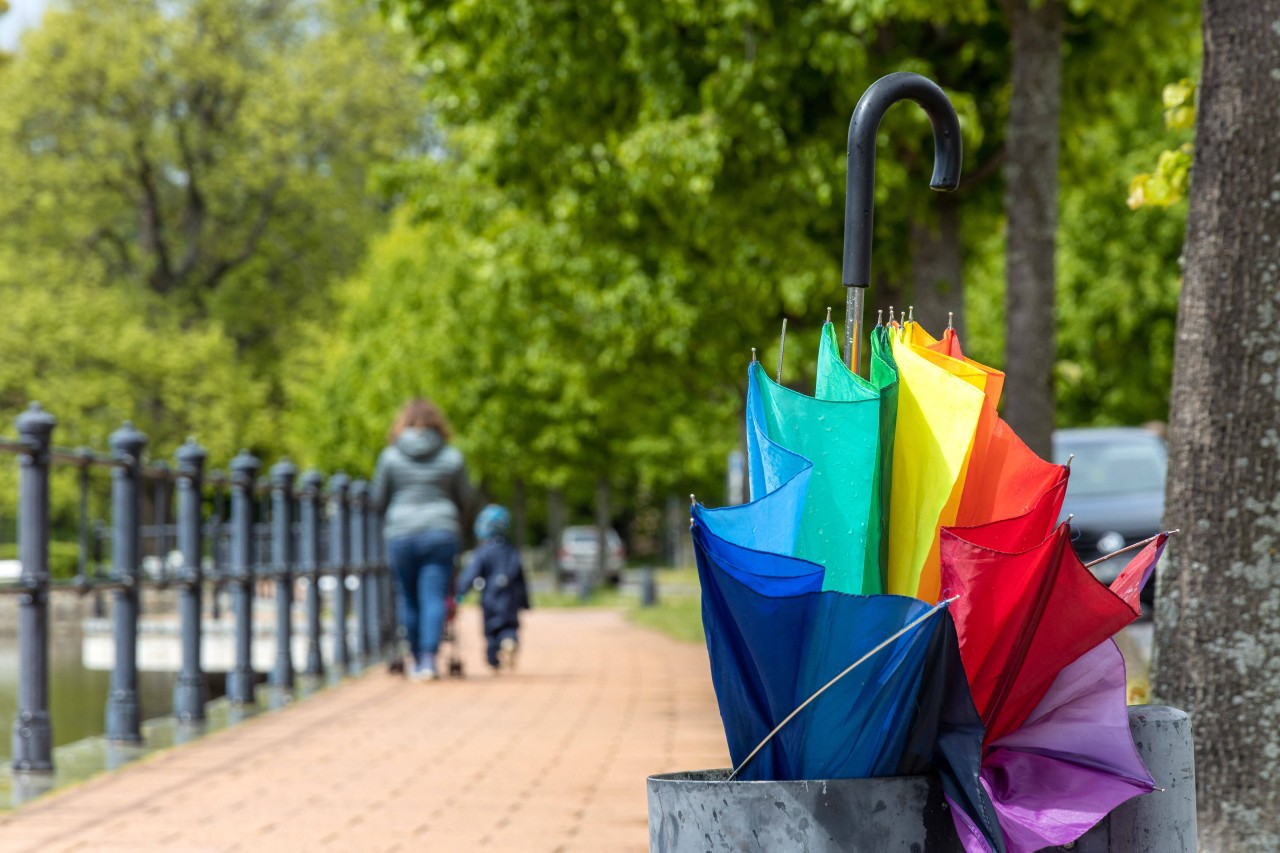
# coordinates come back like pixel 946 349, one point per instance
pixel 256 232
pixel 119 259
pixel 992 166
pixel 151 225
pixel 193 212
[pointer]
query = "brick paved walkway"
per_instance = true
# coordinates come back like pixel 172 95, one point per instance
pixel 551 758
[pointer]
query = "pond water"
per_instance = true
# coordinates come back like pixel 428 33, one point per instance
pixel 77 696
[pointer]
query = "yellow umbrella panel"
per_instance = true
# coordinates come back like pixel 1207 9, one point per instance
pixel 940 400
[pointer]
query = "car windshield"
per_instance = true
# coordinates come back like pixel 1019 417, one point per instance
pixel 1122 466
pixel 589 536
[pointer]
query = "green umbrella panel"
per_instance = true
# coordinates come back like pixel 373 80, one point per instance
pixel 837 382
pixel 841 439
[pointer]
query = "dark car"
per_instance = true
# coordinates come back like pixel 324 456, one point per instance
pixel 1115 493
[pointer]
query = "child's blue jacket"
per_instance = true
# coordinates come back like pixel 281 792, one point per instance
pixel 505 593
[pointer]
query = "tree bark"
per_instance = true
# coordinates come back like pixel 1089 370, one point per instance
pixel 1218 597
pixel 1031 205
pixel 604 520
pixel 555 526
pixel 519 512
pixel 937 268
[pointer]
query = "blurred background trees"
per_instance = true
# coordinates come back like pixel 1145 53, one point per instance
pixel 268 223
pixel 182 184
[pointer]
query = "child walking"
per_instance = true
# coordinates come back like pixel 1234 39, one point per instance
pixel 496 570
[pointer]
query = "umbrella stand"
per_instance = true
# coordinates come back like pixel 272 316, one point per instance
pixel 860 182
pixel 693 811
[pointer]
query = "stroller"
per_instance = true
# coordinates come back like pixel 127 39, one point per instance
pixel 449 636
pixel 448 640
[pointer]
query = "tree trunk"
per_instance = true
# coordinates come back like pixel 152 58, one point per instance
pixel 555 526
pixel 937 268
pixel 603 523
pixel 1218 612
pixel 1031 205
pixel 677 524
pixel 519 513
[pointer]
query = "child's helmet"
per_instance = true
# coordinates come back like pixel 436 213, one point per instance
pixel 494 520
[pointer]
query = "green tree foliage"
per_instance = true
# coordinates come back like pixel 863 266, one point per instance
pixel 4 55
pixel 215 154
pixel 1169 183
pixel 628 198
pixel 494 314
pixel 1118 273
pixel 642 193
pixel 182 182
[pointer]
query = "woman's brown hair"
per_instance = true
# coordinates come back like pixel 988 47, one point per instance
pixel 422 414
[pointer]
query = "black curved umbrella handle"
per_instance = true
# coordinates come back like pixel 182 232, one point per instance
pixel 860 182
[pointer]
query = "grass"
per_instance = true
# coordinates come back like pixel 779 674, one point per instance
pixel 677 614
pixel 600 597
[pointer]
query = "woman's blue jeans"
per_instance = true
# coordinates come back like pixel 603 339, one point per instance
pixel 423 566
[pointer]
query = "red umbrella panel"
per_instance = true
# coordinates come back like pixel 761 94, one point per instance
pixel 1023 615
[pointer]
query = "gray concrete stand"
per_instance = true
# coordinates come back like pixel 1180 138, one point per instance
pixel 698 811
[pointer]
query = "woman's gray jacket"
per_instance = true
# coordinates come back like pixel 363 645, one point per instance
pixel 421 483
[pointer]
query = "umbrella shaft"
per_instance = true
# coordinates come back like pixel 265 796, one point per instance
pixel 853 327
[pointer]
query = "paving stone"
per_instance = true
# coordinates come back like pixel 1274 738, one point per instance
pixel 551 757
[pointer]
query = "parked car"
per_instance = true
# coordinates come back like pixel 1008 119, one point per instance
pixel 579 546
pixel 1115 493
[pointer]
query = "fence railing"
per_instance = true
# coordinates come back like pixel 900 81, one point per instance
pixel 273 530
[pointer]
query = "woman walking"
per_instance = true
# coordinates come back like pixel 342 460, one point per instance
pixel 421 484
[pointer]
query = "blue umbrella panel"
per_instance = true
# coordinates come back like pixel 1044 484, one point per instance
pixel 775 638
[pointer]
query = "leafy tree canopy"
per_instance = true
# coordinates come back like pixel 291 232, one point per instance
pixel 215 154
pixel 628 198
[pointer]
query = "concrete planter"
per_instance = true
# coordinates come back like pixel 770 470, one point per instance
pixel 697 812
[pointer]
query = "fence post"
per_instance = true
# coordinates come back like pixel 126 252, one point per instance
pixel 358 498
pixel 217 548
pixel 283 474
pixel 390 618
pixel 123 715
pixel 159 518
pixel 32 731
pixel 188 692
pixel 378 578
pixel 339 555
pixel 309 564
pixel 244 472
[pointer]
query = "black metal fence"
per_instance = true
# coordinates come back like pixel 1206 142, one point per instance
pixel 210 532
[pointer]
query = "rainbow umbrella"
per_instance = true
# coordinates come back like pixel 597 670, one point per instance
pixel 909 483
